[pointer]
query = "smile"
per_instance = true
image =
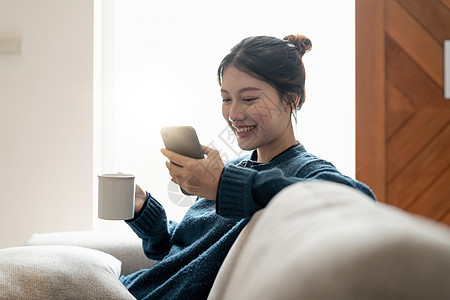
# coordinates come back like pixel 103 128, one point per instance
pixel 244 129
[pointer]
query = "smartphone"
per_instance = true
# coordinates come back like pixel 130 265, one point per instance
pixel 182 140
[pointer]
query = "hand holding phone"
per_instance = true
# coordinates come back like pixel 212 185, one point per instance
pixel 182 140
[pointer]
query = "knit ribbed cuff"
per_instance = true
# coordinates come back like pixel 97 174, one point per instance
pixel 149 217
pixel 235 192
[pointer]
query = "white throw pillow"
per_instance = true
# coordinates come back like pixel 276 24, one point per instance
pixel 59 272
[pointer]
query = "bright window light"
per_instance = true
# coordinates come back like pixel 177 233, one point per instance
pixel 159 62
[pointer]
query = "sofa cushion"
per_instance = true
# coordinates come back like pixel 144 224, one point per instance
pixel 59 272
pixel 321 240
pixel 125 246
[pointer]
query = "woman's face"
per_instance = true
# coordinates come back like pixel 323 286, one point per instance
pixel 254 111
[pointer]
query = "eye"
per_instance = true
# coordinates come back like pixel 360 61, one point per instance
pixel 248 100
pixel 225 100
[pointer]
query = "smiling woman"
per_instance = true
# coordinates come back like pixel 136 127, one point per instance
pixel 255 115
pixel 259 93
pixel 159 64
pixel 190 252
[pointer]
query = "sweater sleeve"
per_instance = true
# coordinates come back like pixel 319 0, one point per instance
pixel 243 191
pixel 152 227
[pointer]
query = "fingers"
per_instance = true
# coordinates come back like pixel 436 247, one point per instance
pixel 174 172
pixel 178 159
pixel 173 156
pixel 173 168
pixel 182 167
pixel 208 151
pixel 177 173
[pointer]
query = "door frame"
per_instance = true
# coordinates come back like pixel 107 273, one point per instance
pixel 370 95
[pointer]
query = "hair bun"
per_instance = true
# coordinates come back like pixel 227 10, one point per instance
pixel 301 43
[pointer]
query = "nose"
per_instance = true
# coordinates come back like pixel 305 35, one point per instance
pixel 236 112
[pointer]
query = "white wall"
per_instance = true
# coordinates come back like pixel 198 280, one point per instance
pixel 46 91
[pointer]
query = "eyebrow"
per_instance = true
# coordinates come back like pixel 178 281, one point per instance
pixel 246 89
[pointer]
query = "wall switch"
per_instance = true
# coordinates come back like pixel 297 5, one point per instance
pixel 10 45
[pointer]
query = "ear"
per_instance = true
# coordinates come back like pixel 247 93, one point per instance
pixel 291 102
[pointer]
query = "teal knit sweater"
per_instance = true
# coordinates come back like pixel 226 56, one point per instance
pixel 190 253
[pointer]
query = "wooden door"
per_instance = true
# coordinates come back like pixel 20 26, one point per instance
pixel 402 118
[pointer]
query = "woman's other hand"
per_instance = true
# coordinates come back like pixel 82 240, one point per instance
pixel 139 199
pixel 199 177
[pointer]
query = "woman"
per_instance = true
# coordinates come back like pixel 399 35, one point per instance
pixel 262 85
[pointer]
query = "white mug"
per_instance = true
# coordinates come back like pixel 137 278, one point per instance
pixel 116 196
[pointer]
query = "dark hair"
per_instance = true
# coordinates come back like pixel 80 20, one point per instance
pixel 275 61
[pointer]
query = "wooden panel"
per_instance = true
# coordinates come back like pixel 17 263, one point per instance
pixel 370 96
pixel 412 138
pixel 421 172
pixel 416 120
pixel 399 109
pixel 446 218
pixel 410 79
pixel 415 40
pixel 435 18
pixel 434 202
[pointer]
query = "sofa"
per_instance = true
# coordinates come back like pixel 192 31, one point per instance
pixel 315 240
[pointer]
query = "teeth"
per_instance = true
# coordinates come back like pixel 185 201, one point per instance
pixel 244 129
